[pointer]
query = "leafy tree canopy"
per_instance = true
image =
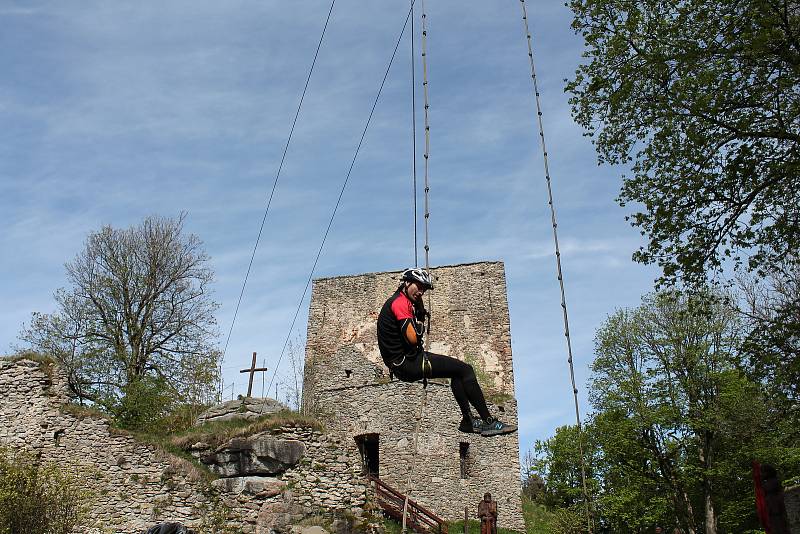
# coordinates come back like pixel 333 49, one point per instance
pixel 702 99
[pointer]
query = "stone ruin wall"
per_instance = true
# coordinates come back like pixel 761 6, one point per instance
pixel 134 485
pixel 347 383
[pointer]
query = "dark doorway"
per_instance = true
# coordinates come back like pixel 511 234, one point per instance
pixel 463 453
pixel 368 446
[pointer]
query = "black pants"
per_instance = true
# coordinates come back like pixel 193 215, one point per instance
pixel 462 377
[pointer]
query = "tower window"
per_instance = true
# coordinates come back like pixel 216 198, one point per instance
pixel 463 453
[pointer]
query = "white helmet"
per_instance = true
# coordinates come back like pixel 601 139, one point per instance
pixel 418 275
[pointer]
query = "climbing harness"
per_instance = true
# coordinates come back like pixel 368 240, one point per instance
pixel 558 268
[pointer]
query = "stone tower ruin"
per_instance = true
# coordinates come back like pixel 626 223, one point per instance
pixel 347 385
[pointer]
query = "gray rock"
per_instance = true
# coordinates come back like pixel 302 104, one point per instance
pixel 261 454
pixel 267 486
pixel 245 408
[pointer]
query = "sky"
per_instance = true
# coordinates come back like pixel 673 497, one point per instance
pixel 114 111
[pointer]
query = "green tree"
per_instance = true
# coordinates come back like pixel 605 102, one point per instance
pixel 557 461
pixel 771 307
pixel 702 99
pixel 136 329
pixel 676 416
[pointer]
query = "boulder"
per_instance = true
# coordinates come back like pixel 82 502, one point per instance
pixel 244 408
pixel 260 454
pixel 262 486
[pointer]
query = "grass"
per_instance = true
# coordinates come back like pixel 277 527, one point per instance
pixel 29 355
pixel 81 412
pixel 177 457
pixel 392 526
pixel 218 432
pixel 538 519
pixel 474 527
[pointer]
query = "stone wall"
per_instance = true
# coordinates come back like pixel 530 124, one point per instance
pixel 134 485
pixel 347 383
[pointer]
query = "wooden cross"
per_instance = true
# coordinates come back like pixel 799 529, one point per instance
pixel 253 370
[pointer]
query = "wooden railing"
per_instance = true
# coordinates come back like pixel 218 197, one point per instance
pixel 418 518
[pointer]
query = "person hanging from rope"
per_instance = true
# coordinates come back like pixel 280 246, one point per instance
pixel 401 325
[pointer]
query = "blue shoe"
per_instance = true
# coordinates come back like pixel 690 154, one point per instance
pixel 470 426
pixel 493 427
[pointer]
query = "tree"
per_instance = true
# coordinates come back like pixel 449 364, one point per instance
pixel 674 408
pixel 771 307
pixel 677 420
pixel 532 483
pixel 137 322
pixel 702 98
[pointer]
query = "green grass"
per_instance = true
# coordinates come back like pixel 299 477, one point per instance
pixel 218 432
pixel 474 527
pixel 29 355
pixel 392 526
pixel 538 519
pixel 81 412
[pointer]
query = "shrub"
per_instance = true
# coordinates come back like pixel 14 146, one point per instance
pixel 37 498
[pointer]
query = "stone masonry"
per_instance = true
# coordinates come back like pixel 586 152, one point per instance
pixel 135 485
pixel 348 385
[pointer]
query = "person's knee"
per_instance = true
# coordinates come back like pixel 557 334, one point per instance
pixel 468 374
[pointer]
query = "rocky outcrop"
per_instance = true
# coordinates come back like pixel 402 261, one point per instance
pixel 261 454
pixel 243 408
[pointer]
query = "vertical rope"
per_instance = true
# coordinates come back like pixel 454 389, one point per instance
pixel 414 133
pixel 424 402
pixel 558 267
pixel 427 127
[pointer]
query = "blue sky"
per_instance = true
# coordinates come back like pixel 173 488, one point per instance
pixel 112 111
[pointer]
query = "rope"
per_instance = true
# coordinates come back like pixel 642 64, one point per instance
pixel 424 402
pixel 414 133
pixel 558 267
pixel 275 183
pixel 427 126
pixel 339 199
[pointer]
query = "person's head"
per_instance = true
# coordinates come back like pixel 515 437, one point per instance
pixel 487 497
pixel 416 282
pixel 659 530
